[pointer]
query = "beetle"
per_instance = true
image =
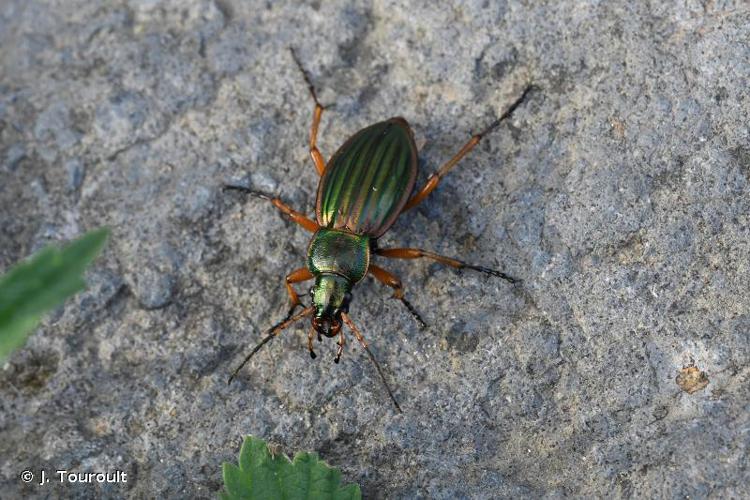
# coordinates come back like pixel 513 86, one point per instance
pixel 365 186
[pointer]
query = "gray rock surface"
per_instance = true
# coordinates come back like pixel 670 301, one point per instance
pixel 618 192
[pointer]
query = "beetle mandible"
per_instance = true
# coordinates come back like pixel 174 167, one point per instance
pixel 363 189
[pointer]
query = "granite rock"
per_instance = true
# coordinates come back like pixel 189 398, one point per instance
pixel 618 192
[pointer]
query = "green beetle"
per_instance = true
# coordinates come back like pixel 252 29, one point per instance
pixel 363 189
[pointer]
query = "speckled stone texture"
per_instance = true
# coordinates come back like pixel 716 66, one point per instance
pixel 618 192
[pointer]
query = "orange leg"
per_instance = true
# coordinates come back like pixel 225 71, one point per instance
pixel 434 179
pixel 295 216
pixel 341 343
pixel 394 282
pixel 416 253
pixel 317 157
pixel 296 276
pixel 388 279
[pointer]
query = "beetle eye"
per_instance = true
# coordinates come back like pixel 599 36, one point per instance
pixel 311 291
pixel 345 303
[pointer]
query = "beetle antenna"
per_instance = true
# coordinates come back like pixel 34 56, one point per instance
pixel 362 341
pixel 272 332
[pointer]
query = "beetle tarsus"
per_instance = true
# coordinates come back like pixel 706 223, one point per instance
pixel 495 273
pixel 247 190
pixel 307 78
pixel 310 337
pixel 414 313
pixel 340 350
pixel 507 112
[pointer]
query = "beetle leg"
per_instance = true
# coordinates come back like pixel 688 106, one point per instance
pixel 310 336
pixel 434 179
pixel 315 154
pixel 296 276
pixel 317 157
pixel 295 216
pixel 394 282
pixel 341 343
pixel 416 253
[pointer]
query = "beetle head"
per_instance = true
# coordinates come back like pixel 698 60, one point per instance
pixel 330 297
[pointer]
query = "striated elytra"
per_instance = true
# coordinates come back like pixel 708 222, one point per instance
pixel 369 179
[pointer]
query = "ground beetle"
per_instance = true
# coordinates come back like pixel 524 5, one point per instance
pixel 363 189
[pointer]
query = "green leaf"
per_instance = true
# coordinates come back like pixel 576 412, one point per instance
pixel 263 475
pixel 42 283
